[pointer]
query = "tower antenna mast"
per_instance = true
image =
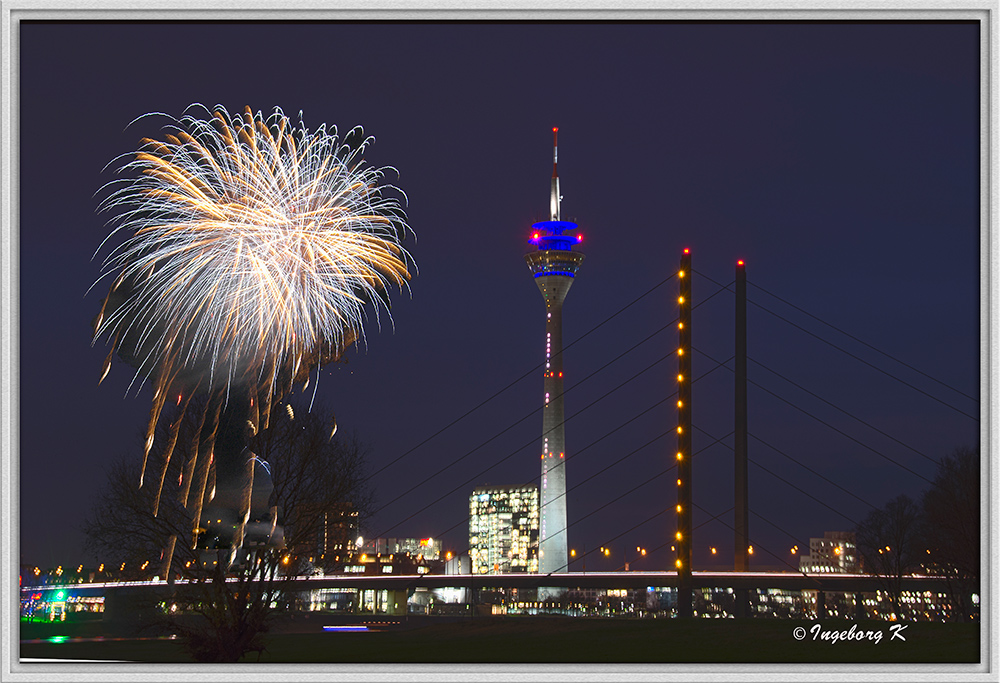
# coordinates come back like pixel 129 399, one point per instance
pixel 555 201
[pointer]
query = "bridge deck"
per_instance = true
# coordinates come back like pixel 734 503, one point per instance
pixel 583 580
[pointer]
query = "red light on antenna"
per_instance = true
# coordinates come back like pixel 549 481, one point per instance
pixel 739 263
pixel 535 236
pixel 687 251
pixel 579 238
pixel 555 130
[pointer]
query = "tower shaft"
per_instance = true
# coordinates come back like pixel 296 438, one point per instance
pixel 553 540
pixel 554 272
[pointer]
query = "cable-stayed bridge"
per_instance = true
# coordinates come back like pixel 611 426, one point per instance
pixel 824 487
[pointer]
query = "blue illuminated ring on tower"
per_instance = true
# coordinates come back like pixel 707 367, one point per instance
pixel 549 235
pixel 555 255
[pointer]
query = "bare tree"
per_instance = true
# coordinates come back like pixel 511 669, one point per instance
pixel 320 498
pixel 888 545
pixel 303 478
pixel 951 508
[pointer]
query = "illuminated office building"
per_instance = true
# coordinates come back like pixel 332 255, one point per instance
pixel 503 529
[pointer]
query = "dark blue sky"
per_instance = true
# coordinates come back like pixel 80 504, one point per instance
pixel 840 160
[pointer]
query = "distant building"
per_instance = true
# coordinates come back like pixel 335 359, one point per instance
pixel 503 529
pixel 333 540
pixel 378 565
pixel 426 548
pixel 458 564
pixel 836 552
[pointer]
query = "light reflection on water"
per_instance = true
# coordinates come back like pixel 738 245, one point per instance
pixel 95 639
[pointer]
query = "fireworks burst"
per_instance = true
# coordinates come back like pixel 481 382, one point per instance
pixel 255 246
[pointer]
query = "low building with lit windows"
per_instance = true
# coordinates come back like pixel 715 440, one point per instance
pixel 836 552
pixel 424 548
pixel 503 529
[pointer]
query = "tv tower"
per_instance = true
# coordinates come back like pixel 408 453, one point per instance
pixel 554 265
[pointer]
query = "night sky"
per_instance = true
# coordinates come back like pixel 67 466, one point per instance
pixel 840 161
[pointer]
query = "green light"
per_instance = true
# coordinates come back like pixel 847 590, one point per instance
pixel 58 639
pixel 60 595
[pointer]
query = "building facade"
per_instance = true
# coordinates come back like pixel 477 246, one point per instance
pixel 424 548
pixel 334 536
pixel 836 552
pixel 503 529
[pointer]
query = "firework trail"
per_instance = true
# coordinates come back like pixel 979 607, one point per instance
pixel 255 248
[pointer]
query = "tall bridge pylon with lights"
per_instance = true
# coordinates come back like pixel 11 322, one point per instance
pixel 554 265
pixel 685 452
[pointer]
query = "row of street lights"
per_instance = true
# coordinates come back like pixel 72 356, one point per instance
pixel 606 552
pixel 641 552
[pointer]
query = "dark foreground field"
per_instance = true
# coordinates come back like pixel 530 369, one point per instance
pixel 557 640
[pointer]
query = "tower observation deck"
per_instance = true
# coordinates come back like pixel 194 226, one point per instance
pixel 554 265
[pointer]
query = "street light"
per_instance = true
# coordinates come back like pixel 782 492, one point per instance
pixel 640 552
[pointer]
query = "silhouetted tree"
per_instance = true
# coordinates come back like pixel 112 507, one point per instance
pixel 889 545
pixel 951 508
pixel 228 597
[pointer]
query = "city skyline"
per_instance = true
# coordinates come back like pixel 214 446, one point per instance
pixel 840 161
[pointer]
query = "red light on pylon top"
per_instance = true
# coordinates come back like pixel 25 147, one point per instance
pixel 739 263
pixel 687 251
pixel 555 130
